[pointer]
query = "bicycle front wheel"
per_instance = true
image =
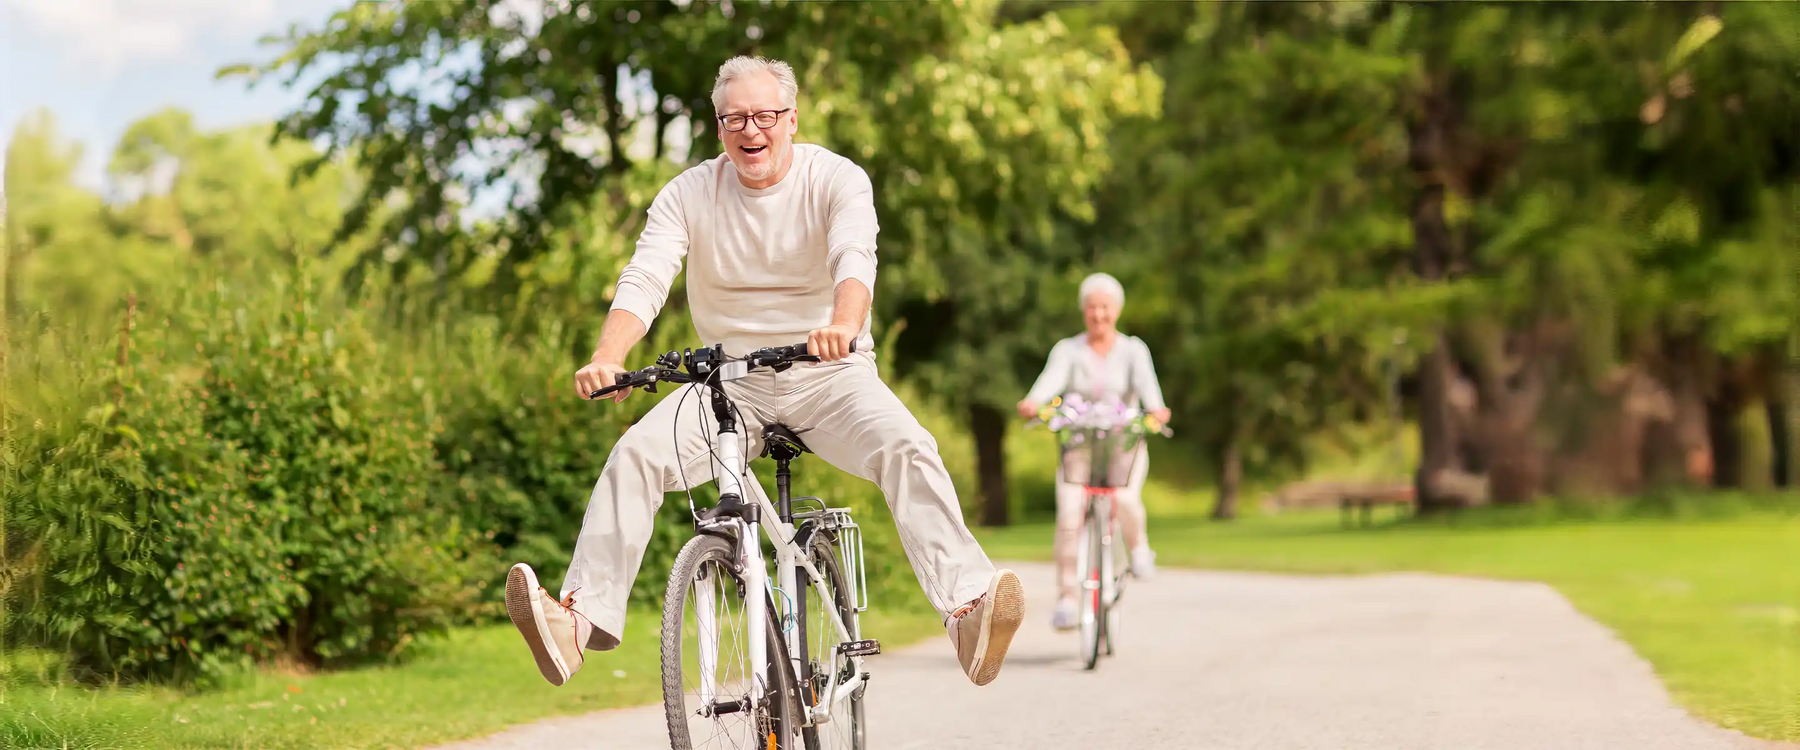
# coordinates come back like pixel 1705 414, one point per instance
pixel 1115 572
pixel 1093 604
pixel 706 668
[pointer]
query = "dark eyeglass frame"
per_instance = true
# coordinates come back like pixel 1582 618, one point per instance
pixel 742 120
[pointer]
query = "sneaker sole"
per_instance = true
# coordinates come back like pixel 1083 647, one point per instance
pixel 524 607
pixel 1006 611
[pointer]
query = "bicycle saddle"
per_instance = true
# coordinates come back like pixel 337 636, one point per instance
pixel 778 438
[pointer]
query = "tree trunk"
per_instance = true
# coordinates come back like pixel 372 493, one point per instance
pixel 1781 439
pixel 1437 429
pixel 988 426
pixel 1727 441
pixel 1427 143
pixel 1676 450
pixel 1231 474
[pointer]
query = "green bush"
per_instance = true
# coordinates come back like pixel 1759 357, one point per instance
pixel 252 485
pixel 521 451
pixel 269 475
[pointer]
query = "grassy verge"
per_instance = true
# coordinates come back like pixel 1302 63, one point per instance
pixel 469 683
pixel 1711 600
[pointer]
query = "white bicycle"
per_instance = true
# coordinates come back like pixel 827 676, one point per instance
pixel 739 670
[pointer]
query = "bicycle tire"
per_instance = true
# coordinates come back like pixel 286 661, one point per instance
pixel 824 557
pixel 700 550
pixel 1093 620
pixel 1116 577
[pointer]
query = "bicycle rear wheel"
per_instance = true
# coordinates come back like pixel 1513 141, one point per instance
pixel 1093 609
pixel 846 728
pixel 706 665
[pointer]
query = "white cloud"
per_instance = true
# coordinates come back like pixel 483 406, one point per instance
pixel 103 36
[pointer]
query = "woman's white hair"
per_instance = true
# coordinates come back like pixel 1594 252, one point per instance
pixel 741 66
pixel 1101 282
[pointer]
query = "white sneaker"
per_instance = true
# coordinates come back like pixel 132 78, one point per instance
pixel 554 630
pixel 1143 563
pixel 1064 616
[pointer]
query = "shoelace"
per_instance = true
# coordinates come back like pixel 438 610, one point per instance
pixel 964 609
pixel 568 605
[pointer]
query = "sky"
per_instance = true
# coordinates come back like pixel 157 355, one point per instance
pixel 99 65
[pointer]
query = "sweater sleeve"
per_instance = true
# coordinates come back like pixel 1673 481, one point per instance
pixel 644 284
pixel 1143 378
pixel 851 229
pixel 1055 378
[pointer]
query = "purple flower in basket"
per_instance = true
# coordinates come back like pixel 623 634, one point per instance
pixel 1075 411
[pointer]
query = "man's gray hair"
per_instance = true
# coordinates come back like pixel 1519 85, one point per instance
pixel 741 66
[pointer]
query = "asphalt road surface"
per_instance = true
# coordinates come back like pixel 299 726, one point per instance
pixel 1263 662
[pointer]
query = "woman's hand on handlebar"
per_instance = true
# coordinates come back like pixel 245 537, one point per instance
pixel 1029 409
pixel 597 375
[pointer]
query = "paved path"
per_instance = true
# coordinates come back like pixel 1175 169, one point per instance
pixel 1263 662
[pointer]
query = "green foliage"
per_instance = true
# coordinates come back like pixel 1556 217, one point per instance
pixel 1612 174
pixel 521 451
pixel 979 134
pixel 251 483
pixel 546 98
pixel 982 153
pixel 1259 226
pixel 183 194
pixel 51 222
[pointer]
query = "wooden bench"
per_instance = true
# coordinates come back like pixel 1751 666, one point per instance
pixel 1399 497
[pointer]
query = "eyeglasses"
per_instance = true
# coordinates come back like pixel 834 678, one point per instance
pixel 764 120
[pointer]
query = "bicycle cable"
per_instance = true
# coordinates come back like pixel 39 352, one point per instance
pixel 711 453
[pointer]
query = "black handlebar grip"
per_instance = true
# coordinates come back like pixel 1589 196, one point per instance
pixel 630 379
pixel 801 349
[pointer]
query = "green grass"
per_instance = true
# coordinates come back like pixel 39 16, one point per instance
pixel 470 683
pixel 1708 593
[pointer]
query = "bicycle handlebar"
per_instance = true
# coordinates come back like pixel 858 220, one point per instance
pixel 703 363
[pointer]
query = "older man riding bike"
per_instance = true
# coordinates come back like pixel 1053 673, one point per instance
pixel 779 239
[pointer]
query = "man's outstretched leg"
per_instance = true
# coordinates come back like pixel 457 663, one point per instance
pixel 857 424
pixel 620 517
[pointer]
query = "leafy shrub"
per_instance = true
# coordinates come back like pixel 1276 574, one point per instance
pixel 268 475
pixel 253 485
pixel 521 451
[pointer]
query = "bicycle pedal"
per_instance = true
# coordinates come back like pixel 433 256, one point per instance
pixel 868 647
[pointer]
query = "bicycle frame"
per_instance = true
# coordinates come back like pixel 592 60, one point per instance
pixel 790 559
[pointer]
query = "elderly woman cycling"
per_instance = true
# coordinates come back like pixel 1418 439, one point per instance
pixel 1100 365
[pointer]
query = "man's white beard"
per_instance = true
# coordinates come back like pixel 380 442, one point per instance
pixel 758 171
pixel 764 170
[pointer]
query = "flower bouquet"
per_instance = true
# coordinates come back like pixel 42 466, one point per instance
pixel 1099 439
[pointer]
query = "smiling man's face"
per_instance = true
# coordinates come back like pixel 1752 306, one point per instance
pixel 761 155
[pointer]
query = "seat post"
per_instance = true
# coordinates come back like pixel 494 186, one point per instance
pixel 783 505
